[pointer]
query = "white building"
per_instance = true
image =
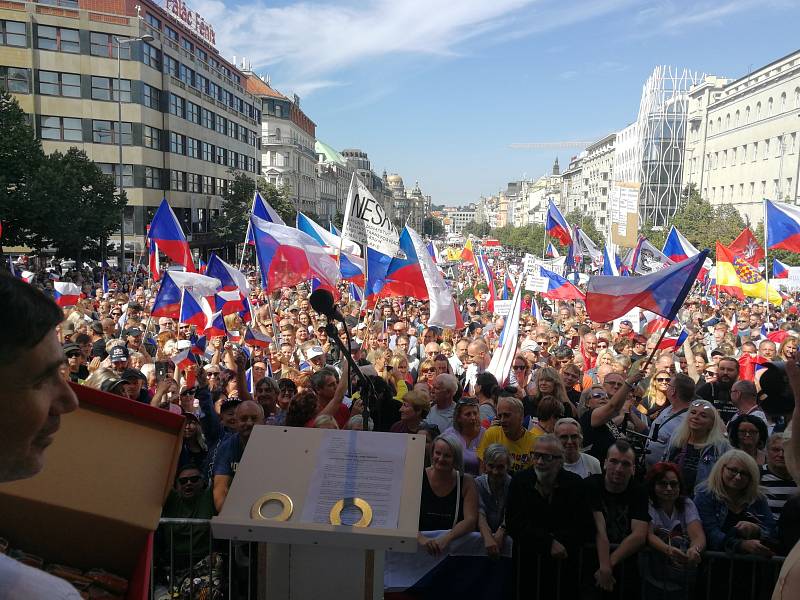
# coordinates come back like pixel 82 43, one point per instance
pixel 743 136
pixel 455 219
pixel 597 171
pixel 572 192
pixel 334 175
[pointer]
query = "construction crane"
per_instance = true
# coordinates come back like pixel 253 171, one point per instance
pixel 549 145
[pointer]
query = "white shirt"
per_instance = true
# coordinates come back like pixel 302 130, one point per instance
pixel 21 582
pixel 585 465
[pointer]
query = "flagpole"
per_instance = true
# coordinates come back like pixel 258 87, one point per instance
pixel 658 343
pixel 544 241
pixel 766 254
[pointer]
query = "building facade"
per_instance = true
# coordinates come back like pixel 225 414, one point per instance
pixel 359 162
pixel 288 156
pixel 334 175
pixel 742 143
pixel 597 170
pixel 572 190
pixel 187 119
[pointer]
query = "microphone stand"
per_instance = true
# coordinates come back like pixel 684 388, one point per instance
pixel 366 383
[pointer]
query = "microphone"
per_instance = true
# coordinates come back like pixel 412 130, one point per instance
pixel 322 301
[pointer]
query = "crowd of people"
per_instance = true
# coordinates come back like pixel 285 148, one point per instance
pixel 594 436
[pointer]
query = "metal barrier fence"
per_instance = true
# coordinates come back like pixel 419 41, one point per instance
pixel 188 564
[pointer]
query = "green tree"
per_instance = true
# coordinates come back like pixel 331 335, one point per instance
pixel 529 239
pixel 81 204
pixel 432 227
pixel 278 198
pixel 20 158
pixel 480 230
pixel 578 217
pixel 231 224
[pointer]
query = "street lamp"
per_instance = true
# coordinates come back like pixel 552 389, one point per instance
pixel 119 41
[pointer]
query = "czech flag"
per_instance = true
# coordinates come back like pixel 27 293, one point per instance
pixel 166 231
pixel 230 277
pixel 356 293
pixel 483 267
pixel 154 259
pixel 201 266
pixel 653 322
pixel 610 262
pixel 556 225
pixel 779 270
pixel 325 237
pixel 66 293
pixel 559 288
pixel 551 251
pixel 678 248
pixel 783 226
pixel 535 312
pixel 215 326
pixel 168 298
pixel 229 302
pixel 262 210
pixel 256 338
pixel 287 256
pixel 194 310
pixel 352 268
pixel 185 359
pixel 104 283
pixel 673 344
pixel 662 292
pixel 503 356
pixel 199 345
pixel 27 276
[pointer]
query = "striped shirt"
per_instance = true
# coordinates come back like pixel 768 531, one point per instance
pixel 777 489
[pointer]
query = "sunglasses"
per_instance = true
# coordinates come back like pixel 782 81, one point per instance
pixel 710 373
pixel 598 395
pixel 662 379
pixel 701 404
pixel 520 367
pixel 668 484
pixel 544 457
pixel 73 354
pixel 190 479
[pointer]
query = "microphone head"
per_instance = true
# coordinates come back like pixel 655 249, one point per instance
pixel 322 301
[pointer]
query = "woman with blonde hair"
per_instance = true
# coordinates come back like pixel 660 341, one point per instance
pixel 426 373
pixel 399 375
pixel 549 383
pixel 697 443
pixel 734 510
pixel 656 397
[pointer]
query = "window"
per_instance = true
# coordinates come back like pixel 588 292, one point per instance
pixel 208 119
pixel 177 143
pixel 232 159
pixel 187 45
pixel 153 21
pixel 747 115
pixel 192 112
pixel 755 151
pixel 112 169
pixel 752 189
pixel 177 181
pixel 16 80
pixel 728 121
pixel 107 88
pixel 763 189
pixel 208 151
pixel 107 132
pixel 797 97
pixel 58 38
pixel 783 101
pixel 12 33
pixel 152 137
pixel 151 56
pixel 152 178
pixel 177 106
pixel 192 148
pixel 151 97
pixel 212 89
pixel 769 107
pixel 278 114
pixel 736 119
pixel 222 186
pixel 222 124
pixel 186 75
pixel 61 128
pixel 200 82
pixel 171 33
pixel 103 44
pixel 758 111
pixel 222 155
pixel 52 83
pixel 208 184
pixel 202 55
pixel 765 147
pixel 779 149
pixel 792 141
pixel 193 182
pixel 233 129
pixel 170 66
pixel 776 189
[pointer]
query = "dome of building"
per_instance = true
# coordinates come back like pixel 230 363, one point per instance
pixel 395 180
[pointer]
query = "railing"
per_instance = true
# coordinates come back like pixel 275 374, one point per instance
pixel 189 563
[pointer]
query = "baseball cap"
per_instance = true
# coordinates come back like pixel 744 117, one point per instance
pixel 67 328
pixel 111 385
pixel 71 347
pixel 133 331
pixel 314 352
pixel 132 374
pixel 211 369
pixel 119 354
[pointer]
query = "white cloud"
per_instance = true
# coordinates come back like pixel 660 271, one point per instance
pixel 312 43
pixel 674 16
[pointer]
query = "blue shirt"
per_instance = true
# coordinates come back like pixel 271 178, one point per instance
pixel 228 456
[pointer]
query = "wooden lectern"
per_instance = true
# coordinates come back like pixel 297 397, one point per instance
pixel 304 559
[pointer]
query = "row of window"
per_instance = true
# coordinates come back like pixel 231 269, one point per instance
pixel 155 178
pixel 64 39
pixel 774 147
pixel 186 109
pixel 187 45
pixel 747 192
pixel 738 118
pixel 194 148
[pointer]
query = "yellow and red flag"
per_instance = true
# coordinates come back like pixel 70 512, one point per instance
pixel 737 277
pixel 467 255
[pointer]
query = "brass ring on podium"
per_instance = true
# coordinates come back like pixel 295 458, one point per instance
pixel 283 499
pixel 360 503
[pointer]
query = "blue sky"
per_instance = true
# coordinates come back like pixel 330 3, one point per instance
pixel 436 91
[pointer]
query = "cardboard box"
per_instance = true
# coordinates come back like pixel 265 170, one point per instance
pixel 98 499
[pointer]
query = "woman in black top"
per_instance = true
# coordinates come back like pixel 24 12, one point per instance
pixel 449 497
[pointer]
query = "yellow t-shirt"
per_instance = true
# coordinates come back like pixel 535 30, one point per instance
pixel 521 450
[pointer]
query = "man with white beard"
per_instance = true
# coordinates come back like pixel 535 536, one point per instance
pixel 548 517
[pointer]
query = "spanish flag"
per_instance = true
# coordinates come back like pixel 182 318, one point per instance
pixel 467 255
pixel 737 277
